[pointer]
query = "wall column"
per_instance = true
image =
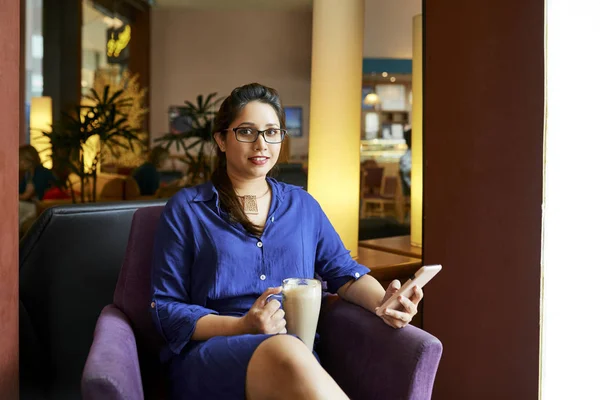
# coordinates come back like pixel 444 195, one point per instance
pixel 416 179
pixel 11 103
pixel 483 183
pixel 335 105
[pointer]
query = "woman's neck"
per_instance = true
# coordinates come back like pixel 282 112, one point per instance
pixel 243 187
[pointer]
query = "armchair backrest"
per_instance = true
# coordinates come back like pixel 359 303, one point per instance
pixel 132 294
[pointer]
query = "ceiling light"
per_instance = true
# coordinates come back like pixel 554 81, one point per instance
pixel 371 99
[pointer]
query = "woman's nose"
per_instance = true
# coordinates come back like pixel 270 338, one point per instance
pixel 260 143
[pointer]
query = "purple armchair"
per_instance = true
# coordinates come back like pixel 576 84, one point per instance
pixel 368 359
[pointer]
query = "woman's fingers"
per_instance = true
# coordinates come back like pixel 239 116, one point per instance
pixel 272 307
pixel 399 315
pixel 391 289
pixel 262 300
pixel 417 295
pixel 394 323
pixel 281 326
pixel 409 306
pixel 403 316
pixel 278 315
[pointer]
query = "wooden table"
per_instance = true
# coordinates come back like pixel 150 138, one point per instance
pixel 385 267
pixel 396 244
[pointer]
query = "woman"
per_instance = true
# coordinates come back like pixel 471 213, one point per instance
pixel 223 247
pixel 34 181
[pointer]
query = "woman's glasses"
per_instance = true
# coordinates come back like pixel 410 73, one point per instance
pixel 250 135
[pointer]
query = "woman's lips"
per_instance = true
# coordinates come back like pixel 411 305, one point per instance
pixel 259 160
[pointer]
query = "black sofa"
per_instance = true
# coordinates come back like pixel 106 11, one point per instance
pixel 69 262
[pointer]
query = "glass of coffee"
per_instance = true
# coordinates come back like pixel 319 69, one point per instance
pixel 302 304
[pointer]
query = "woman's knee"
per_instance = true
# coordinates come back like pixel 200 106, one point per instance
pixel 282 352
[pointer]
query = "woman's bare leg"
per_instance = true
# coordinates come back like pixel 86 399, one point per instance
pixel 282 367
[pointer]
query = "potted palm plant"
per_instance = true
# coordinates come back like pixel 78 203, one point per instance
pixel 196 139
pixel 80 138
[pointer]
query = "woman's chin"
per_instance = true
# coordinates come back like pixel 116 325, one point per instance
pixel 260 170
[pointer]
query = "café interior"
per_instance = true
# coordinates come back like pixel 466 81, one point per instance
pixel 392 126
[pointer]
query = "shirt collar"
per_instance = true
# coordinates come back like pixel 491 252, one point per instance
pixel 207 191
pixel 280 189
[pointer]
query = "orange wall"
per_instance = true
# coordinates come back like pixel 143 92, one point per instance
pixel 483 148
pixel 9 133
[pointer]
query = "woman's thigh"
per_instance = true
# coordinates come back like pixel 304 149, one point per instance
pixel 215 369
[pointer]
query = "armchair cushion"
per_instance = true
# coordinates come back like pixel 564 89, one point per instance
pixel 371 360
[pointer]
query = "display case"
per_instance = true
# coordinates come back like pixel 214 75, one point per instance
pixel 382 150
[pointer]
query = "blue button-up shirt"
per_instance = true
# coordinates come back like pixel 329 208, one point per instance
pixel 205 264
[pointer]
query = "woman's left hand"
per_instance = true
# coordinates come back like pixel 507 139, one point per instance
pixel 401 311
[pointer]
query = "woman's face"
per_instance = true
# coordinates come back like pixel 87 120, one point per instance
pixel 251 160
pixel 25 164
pixel 162 161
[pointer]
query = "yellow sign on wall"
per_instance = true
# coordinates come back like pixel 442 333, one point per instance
pixel 115 46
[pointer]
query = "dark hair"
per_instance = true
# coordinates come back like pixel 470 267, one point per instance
pixel 228 112
pixel 157 154
pixel 29 153
pixel 408 138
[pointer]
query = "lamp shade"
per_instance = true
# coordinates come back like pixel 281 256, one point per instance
pixel 371 99
pixel 40 120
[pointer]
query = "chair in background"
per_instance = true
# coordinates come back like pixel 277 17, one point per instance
pixel 371 180
pixel 368 359
pixel 388 198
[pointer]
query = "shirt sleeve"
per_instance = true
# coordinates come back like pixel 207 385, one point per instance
pixel 333 261
pixel 173 255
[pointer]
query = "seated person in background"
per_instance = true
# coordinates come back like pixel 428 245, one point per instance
pixel 147 175
pixel 406 164
pixel 34 181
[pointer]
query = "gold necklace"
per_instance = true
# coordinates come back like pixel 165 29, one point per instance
pixel 249 202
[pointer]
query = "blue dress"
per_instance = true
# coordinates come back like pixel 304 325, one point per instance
pixel 205 264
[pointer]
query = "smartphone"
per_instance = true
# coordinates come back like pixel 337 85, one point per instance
pixel 420 278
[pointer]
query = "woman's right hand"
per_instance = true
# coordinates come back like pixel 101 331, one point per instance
pixel 265 316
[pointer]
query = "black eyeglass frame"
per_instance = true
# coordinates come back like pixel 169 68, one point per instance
pixel 258 133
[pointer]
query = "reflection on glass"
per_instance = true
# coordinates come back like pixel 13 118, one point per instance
pixel 34 55
pixel 105 38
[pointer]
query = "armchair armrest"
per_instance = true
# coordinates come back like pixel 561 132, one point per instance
pixel 370 360
pixel 112 369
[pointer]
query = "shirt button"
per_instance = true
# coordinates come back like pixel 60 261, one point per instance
pixel 153 304
pixel 356 274
pixel 259 244
pixel 262 277
pixel 272 219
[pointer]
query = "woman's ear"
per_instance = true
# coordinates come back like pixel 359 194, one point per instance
pixel 220 142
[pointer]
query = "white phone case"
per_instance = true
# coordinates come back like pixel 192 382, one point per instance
pixel 420 278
